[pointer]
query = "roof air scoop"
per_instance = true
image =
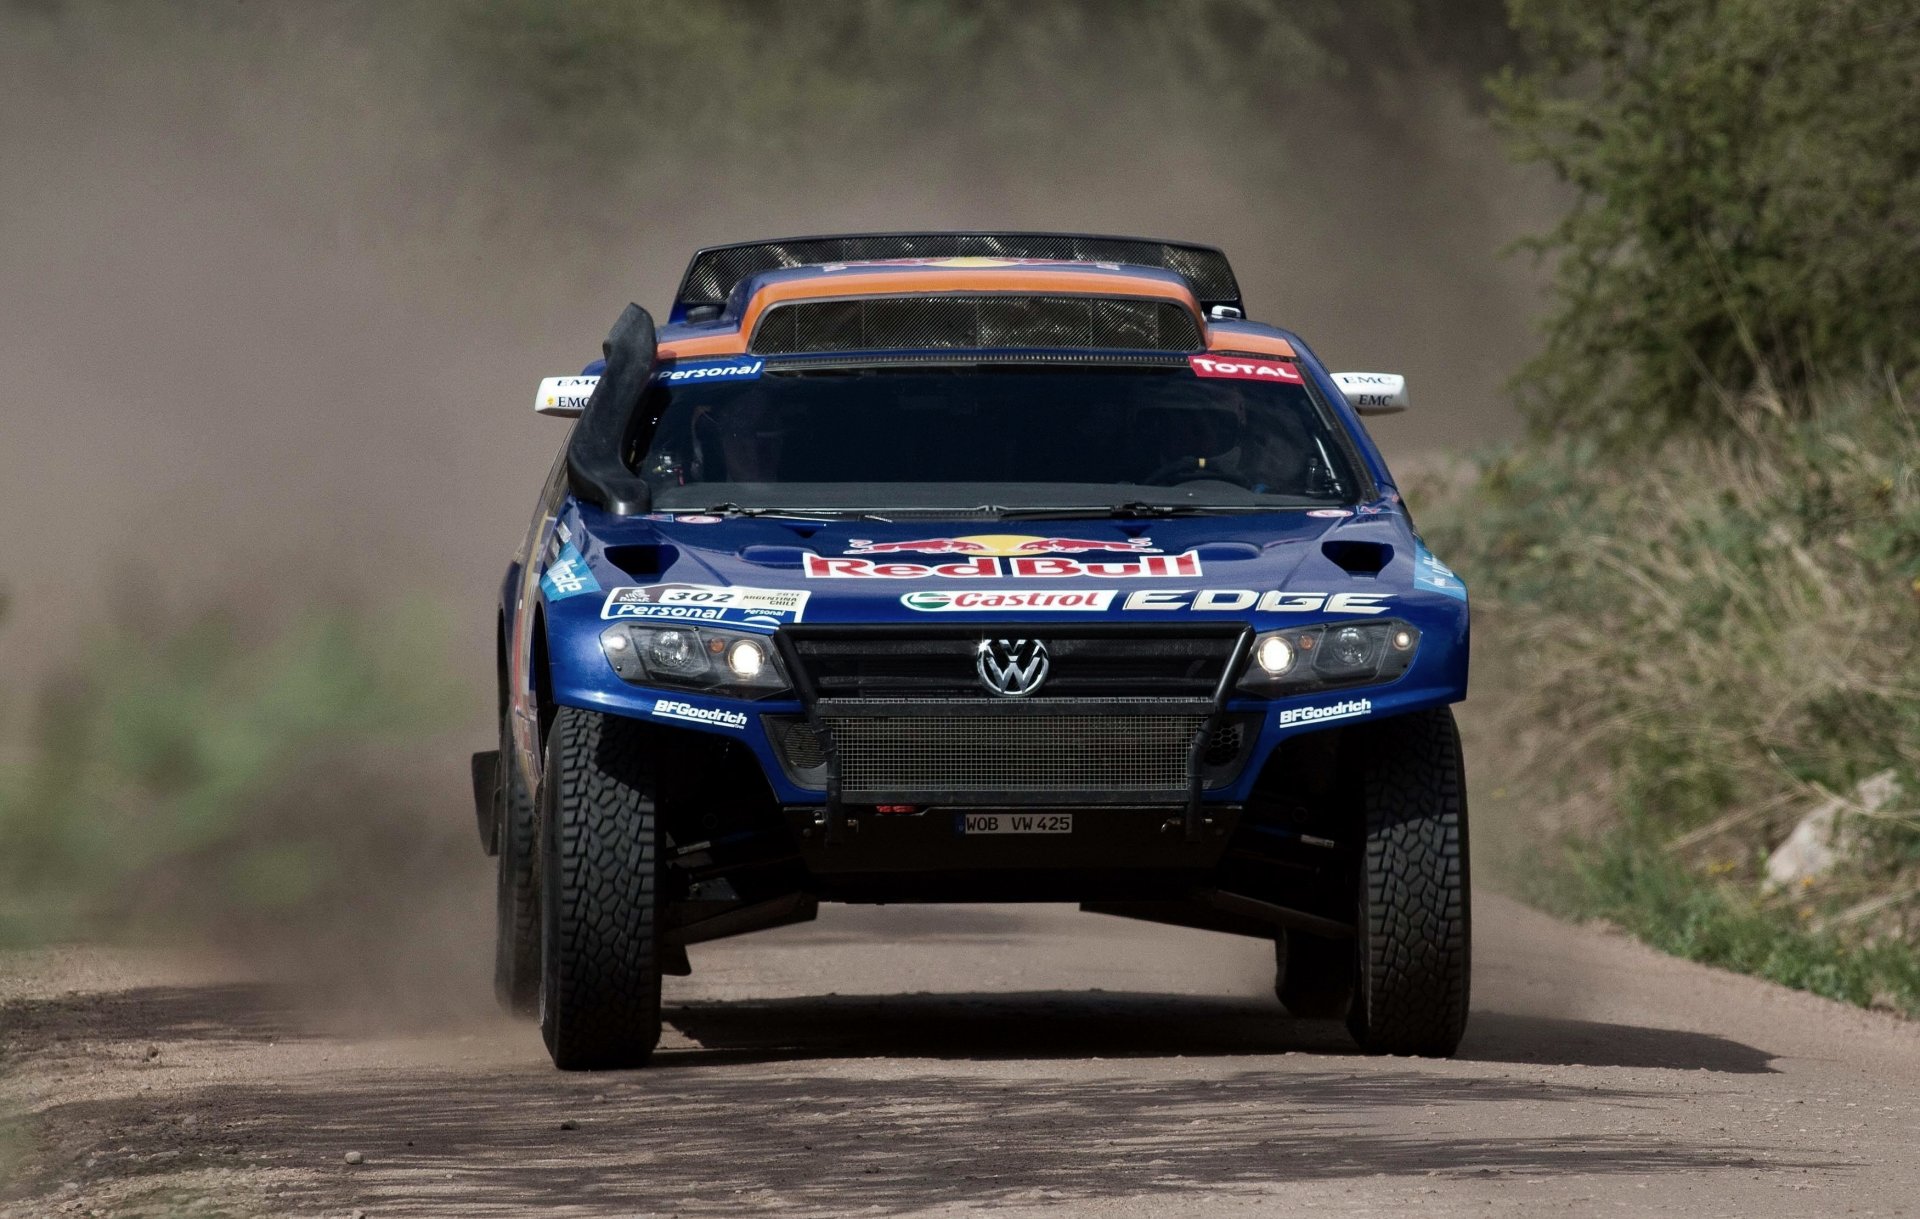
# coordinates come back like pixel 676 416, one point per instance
pixel 920 323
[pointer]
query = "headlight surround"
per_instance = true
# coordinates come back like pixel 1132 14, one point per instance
pixel 1329 656
pixel 737 664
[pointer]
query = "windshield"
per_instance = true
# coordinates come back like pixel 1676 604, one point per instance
pixel 1008 436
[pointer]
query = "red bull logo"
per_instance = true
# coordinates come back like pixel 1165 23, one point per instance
pixel 987 566
pixel 1005 546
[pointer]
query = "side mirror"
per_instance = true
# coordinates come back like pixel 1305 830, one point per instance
pixel 564 397
pixel 1374 393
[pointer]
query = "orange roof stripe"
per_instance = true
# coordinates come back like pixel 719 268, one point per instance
pixel 1250 344
pixel 934 281
pixel 732 343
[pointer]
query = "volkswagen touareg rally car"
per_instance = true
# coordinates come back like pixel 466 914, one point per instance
pixel 974 567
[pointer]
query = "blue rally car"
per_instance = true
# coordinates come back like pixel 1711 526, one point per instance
pixel 962 567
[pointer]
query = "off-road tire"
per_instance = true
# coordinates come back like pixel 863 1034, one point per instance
pixel 1313 975
pixel 516 950
pixel 1414 938
pixel 600 962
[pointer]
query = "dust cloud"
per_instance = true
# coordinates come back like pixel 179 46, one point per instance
pixel 272 316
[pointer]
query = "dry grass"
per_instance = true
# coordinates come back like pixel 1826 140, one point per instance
pixel 1683 650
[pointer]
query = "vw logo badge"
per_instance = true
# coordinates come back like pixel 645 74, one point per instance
pixel 1012 668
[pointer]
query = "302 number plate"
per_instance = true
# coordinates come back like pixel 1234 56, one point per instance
pixel 1016 823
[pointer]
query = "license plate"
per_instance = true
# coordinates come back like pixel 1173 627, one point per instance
pixel 1016 823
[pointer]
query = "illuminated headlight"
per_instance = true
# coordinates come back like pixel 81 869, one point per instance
pixel 746 658
pixel 1274 655
pixel 1326 657
pixel 733 663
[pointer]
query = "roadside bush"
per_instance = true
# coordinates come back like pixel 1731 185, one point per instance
pixel 165 778
pixel 1748 198
pixel 1696 646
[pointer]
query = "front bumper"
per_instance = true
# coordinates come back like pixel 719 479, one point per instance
pixel 1078 753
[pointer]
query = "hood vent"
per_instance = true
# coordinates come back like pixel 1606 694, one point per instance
pixel 1359 558
pixel 642 562
pixel 920 323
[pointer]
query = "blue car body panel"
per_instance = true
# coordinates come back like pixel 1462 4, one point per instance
pixel 1282 551
pixel 1271 552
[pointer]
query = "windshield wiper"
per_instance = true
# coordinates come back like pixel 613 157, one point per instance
pixel 1132 508
pixel 822 515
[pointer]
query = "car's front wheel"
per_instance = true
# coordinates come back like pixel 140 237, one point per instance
pixel 599 895
pixel 1413 934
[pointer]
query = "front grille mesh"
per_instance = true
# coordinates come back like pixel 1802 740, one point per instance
pixel 1115 756
pixel 882 664
pixel 917 323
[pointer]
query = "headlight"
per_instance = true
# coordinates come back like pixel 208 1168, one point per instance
pixel 1326 657
pixel 1274 655
pixel 733 663
pixel 746 658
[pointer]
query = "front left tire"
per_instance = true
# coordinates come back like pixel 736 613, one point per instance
pixel 599 895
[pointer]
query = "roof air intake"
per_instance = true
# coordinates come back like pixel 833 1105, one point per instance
pixel 919 323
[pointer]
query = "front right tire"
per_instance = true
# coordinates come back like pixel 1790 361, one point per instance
pixel 599 895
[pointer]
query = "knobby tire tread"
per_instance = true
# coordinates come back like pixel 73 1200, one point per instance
pixel 1414 959
pixel 602 1006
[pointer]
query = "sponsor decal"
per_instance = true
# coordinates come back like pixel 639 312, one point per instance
pixel 568 575
pixel 674 709
pixel 932 601
pixel 761 607
pixel 566 393
pixel 1434 576
pixel 1329 512
pixel 1004 545
pixel 689 518
pixel 731 370
pixel 1275 601
pixel 1347 709
pixel 1246 369
pixel 987 567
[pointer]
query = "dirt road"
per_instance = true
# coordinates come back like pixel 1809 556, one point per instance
pixel 1027 1060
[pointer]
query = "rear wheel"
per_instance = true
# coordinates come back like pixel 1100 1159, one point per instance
pixel 516 952
pixel 1414 941
pixel 600 961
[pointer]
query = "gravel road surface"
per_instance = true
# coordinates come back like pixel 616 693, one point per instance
pixel 1023 1060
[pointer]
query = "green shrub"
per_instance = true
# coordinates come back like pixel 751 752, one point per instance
pixel 1747 197
pixel 1697 644
pixel 1718 617
pixel 167 775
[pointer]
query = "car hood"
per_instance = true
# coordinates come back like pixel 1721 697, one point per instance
pixel 1294 562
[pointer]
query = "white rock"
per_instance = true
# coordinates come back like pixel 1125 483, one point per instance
pixel 1824 836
